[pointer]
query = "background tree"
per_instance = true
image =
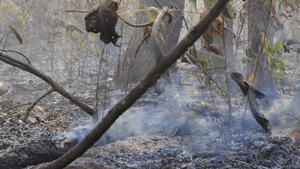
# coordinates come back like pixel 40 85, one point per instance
pixel 259 12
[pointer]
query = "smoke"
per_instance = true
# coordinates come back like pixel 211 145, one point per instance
pixel 76 133
pixel 153 114
pixel 280 115
pixel 183 109
pixel 179 111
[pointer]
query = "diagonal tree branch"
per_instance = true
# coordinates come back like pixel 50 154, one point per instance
pixel 28 68
pixel 139 89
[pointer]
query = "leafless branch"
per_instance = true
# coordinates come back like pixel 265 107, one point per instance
pixel 77 10
pixel 139 89
pixel 35 102
pixel 207 75
pixel 17 53
pixel 30 69
pixel 134 25
pixel 25 104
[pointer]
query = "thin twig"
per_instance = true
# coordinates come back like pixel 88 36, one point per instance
pixel 159 4
pixel 77 10
pixel 245 111
pixel 35 102
pixel 139 25
pixel 207 75
pixel 25 104
pixel 239 37
pixel 120 50
pixel 17 53
pixel 227 79
pixel 96 119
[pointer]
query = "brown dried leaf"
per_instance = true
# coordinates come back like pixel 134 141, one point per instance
pixel 147 34
pixel 16 34
pixel 103 20
pixel 214 50
pixel 75 58
pixel 238 78
pixel 252 93
pixel 216 28
pixel 259 117
pixel 283 14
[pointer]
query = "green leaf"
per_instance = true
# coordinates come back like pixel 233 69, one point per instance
pixel 269 49
pixel 194 3
pixel 272 63
pixel 149 16
pixel 160 36
pixel 98 52
pixel 92 37
pixel 80 45
pixel 208 3
pixel 154 9
pixel 232 9
pixel 202 61
pixel 276 46
pixel 281 65
pixel 162 26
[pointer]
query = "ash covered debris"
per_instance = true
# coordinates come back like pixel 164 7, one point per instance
pixel 249 150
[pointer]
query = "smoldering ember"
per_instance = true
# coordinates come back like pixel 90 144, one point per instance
pixel 229 99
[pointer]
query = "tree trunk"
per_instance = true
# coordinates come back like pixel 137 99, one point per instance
pixel 135 68
pixel 258 23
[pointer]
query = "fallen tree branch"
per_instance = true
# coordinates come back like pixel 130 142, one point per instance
pixel 30 69
pixel 139 89
pixel 35 102
pixel 17 106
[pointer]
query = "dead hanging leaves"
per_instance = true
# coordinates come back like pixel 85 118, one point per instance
pixel 251 92
pixel 217 28
pixel 16 34
pixel 103 20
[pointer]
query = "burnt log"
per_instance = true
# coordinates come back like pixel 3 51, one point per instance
pixel 33 153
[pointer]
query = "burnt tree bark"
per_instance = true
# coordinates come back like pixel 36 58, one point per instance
pixel 139 89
